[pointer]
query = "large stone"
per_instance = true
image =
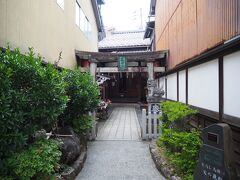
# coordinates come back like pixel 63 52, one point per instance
pixel 71 147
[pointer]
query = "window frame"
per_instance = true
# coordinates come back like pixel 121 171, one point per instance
pixel 61 4
pixel 84 24
pixel 77 16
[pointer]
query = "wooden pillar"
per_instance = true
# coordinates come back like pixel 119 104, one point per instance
pixel 221 88
pixel 139 83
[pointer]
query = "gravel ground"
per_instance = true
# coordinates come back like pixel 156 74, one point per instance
pixel 119 160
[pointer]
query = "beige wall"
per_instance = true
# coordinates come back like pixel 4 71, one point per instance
pixel 42 24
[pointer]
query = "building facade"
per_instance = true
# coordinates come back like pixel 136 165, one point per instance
pixel 191 27
pixel 128 72
pixel 124 85
pixel 202 38
pixel 51 27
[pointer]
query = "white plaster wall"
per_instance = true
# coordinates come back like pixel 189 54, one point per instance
pixel 203 86
pixel 182 86
pixel 172 87
pixel 232 84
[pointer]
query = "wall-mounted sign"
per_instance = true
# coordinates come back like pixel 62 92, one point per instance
pixel 122 63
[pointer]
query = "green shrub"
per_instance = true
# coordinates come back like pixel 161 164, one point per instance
pixel 31 97
pixel 39 161
pixel 174 111
pixel 176 114
pixel 83 123
pixel 181 142
pixel 6 178
pixel 84 97
pixel 183 149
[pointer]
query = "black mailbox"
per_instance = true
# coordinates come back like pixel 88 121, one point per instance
pixel 215 159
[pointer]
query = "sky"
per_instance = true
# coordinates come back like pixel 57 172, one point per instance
pixel 125 15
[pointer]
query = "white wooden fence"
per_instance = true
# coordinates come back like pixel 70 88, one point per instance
pixel 150 125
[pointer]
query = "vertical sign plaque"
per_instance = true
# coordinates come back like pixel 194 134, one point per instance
pixel 122 63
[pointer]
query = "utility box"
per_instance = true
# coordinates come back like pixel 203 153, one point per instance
pixel 215 159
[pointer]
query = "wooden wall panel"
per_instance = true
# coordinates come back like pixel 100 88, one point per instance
pixel 189 27
pixel 179 33
pixel 238 17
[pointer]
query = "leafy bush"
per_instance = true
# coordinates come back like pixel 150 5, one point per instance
pixel 175 114
pixel 183 148
pixel 31 97
pixel 83 123
pixel 38 161
pixel 84 97
pixel 182 144
pixel 174 111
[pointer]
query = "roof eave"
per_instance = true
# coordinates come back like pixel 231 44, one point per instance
pixel 112 57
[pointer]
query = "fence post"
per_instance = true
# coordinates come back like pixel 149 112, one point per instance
pixel 155 124
pixel 160 124
pixel 149 125
pixel 94 133
pixel 143 124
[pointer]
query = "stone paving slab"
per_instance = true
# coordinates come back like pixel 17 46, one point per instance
pixel 121 125
pixel 119 160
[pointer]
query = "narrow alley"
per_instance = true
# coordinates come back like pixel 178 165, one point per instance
pixel 118 153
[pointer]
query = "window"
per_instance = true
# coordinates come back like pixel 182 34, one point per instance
pixel 77 14
pixel 82 22
pixel 85 25
pixel 89 30
pixel 61 3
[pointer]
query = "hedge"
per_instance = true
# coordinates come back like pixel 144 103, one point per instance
pixel 34 96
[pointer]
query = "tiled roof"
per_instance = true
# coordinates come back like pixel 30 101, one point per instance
pixel 124 39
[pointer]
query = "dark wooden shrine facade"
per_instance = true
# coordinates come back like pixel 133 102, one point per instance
pixel 129 85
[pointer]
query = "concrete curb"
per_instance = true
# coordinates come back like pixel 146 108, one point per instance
pixel 161 163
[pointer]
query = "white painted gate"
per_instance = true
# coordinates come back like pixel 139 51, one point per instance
pixel 150 125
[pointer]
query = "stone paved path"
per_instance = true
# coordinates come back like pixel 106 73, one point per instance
pixel 121 125
pixel 118 153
